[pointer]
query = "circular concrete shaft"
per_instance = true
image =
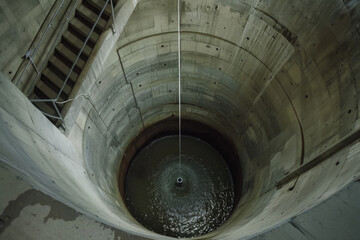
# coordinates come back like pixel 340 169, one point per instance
pixel 278 79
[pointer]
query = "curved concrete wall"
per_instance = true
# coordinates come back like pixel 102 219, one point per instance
pixel 278 78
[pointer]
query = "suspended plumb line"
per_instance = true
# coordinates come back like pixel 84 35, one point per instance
pixel 179 76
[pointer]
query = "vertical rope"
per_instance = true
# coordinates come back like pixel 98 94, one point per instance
pixel 179 75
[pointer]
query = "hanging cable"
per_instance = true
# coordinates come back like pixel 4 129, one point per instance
pixel 179 76
pixel 86 95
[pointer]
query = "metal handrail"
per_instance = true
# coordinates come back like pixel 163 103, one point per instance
pixel 30 54
pixel 59 34
pixel 55 100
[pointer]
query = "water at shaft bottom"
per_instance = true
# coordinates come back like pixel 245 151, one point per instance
pixel 179 202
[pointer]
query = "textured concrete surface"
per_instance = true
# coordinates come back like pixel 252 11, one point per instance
pixel 280 79
pixel 52 163
pixel 336 218
pixel 19 24
pixel 26 213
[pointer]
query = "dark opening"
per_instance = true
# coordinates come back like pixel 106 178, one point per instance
pixel 180 182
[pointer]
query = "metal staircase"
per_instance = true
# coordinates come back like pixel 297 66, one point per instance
pixel 50 92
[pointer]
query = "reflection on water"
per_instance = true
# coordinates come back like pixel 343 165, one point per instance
pixel 198 205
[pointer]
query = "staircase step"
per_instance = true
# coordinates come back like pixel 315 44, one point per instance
pixel 54 75
pixel 75 43
pixel 51 76
pixel 79 28
pixel 90 17
pixel 62 68
pixel 97 5
pixel 48 91
pixel 68 57
pixel 43 94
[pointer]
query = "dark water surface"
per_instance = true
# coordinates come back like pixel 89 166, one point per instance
pixel 200 204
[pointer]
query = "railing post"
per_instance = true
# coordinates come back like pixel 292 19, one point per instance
pixel 113 16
